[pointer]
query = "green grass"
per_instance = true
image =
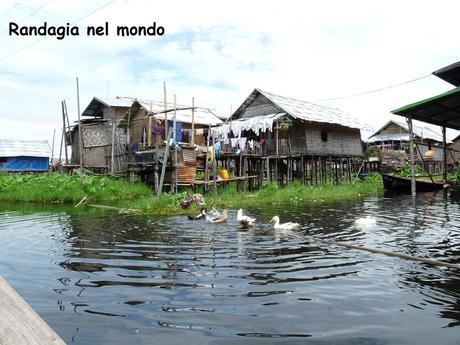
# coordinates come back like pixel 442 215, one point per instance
pixel 61 188
pixel 271 193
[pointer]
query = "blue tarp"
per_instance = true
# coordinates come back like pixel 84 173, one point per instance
pixel 178 130
pixel 24 163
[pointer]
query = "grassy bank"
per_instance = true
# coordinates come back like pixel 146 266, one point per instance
pixel 59 188
pixel 168 204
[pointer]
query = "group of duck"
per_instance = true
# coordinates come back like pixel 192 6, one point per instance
pixel 214 216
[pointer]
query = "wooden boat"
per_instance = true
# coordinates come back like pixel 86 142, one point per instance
pixel 403 184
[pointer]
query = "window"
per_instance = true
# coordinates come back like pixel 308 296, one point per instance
pixel 323 136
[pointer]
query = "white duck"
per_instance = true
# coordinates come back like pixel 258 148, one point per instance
pixel 368 220
pixel 245 221
pixel 214 212
pixel 222 218
pixel 283 226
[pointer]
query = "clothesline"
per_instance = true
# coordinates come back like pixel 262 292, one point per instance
pixel 257 124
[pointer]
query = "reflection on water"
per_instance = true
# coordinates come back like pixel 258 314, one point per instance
pixel 99 277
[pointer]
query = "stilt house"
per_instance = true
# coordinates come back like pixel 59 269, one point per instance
pixel 276 137
pixel 283 126
pixel 100 122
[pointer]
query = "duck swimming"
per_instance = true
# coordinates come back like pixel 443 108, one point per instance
pixel 368 220
pixel 201 215
pixel 283 226
pixel 222 218
pixel 214 212
pixel 245 221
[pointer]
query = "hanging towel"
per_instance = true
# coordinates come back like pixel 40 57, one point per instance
pixel 242 143
pixel 210 155
pixel 217 150
pixel 234 142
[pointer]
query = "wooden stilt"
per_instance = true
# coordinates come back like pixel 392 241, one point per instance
pixel 444 154
pixel 412 156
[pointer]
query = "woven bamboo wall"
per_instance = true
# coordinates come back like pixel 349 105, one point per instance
pixel 259 106
pixel 97 134
pixel 341 141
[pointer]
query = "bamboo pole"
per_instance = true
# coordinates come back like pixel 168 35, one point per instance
pixel 388 253
pixel 423 162
pixel 80 133
pixel 68 128
pixel 60 148
pixel 66 114
pixel 214 164
pixel 206 165
pixel 63 132
pixel 359 170
pixel 112 156
pixel 193 120
pixel 149 130
pixel 166 109
pixel 176 175
pixel 163 167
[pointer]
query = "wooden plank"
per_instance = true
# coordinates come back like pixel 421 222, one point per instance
pixel 19 323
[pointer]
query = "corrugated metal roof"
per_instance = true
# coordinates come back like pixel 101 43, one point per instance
pixel 30 148
pixel 450 73
pixel 308 111
pixel 96 102
pixel 203 116
pixel 441 110
pixel 419 131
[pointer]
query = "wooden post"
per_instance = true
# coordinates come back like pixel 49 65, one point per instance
pixel 412 156
pixel 444 152
pixel 174 185
pixel 349 169
pixel 163 168
pixel 336 168
pixel 165 108
pixel 60 148
pixel 112 155
pixel 206 165
pixel 423 162
pixel 214 164
pixel 80 133
pixel 268 169
pixel 149 124
pixel 276 138
pixel 320 170
pixel 127 129
pixel 276 170
pixel 193 120
pixel 63 132
pixel 68 127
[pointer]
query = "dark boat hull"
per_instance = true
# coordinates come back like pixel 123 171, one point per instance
pixel 403 184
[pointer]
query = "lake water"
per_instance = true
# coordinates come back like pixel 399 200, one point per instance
pixel 107 278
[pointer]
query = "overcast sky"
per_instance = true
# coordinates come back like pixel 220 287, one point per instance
pixel 219 51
